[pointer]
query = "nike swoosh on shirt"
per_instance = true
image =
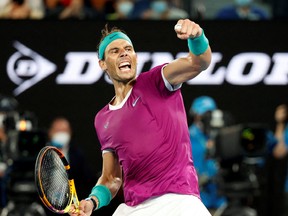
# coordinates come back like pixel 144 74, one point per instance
pixel 135 101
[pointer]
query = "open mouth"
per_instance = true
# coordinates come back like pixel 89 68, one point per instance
pixel 124 66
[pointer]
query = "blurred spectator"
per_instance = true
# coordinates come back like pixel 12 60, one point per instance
pixel 71 9
pixel 21 9
pixel 163 10
pixel 242 10
pixel 281 131
pixel 280 152
pixel 122 10
pixel 279 9
pixel 57 9
pixel 98 4
pixel 139 7
pixel 202 144
pixel 60 136
pixel 198 9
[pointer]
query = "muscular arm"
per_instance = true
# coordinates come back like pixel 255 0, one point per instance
pixel 111 178
pixel 186 68
pixel 111 173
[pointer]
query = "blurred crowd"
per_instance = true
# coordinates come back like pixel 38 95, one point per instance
pixel 143 9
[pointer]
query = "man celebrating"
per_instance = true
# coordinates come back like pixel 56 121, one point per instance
pixel 143 130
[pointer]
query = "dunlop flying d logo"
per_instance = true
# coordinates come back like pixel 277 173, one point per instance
pixel 26 68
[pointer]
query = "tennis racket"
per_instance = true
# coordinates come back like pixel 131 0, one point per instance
pixel 54 182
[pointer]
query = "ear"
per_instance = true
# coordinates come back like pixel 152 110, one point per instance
pixel 103 65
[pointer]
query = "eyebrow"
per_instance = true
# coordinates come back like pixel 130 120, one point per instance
pixel 115 48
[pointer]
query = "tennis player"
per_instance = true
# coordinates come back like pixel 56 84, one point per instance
pixel 143 130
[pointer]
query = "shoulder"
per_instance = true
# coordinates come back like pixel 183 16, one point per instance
pixel 153 72
pixel 157 68
pixel 99 119
pixel 153 80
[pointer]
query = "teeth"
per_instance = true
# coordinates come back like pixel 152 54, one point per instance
pixel 124 64
pixel 125 69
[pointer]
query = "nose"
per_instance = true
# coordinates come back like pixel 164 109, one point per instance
pixel 123 53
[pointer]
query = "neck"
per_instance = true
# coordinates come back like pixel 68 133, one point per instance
pixel 121 90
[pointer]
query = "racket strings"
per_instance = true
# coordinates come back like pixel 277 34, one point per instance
pixel 55 180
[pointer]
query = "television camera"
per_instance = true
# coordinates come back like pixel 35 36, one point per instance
pixel 20 144
pixel 240 150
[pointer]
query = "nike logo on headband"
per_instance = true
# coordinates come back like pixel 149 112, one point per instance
pixel 112 36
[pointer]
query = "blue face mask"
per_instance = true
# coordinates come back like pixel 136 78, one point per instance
pixel 243 2
pixel 125 8
pixel 159 6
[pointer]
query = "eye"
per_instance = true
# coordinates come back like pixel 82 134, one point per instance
pixel 129 49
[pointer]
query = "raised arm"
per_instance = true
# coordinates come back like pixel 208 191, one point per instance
pixel 198 59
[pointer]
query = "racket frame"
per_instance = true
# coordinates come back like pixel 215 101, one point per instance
pixel 72 195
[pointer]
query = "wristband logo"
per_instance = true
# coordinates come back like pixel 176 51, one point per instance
pixel 26 68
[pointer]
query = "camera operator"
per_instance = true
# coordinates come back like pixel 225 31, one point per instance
pixel 202 138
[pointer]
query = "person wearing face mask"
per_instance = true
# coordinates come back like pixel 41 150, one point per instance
pixel 164 10
pixel 242 10
pixel 60 136
pixel 123 10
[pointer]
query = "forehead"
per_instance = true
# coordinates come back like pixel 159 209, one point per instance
pixel 118 43
pixel 60 124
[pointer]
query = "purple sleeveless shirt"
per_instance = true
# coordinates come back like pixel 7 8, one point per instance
pixel 150 136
